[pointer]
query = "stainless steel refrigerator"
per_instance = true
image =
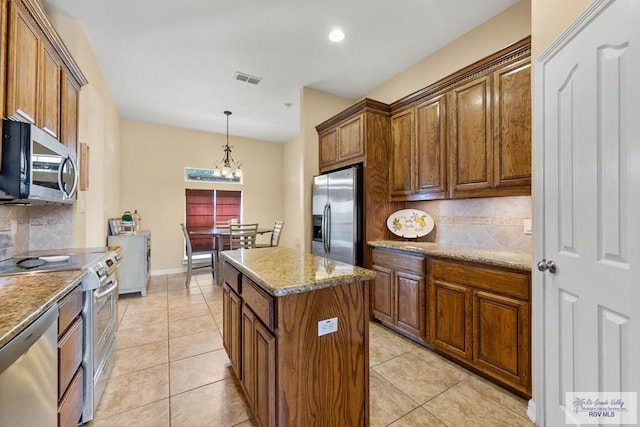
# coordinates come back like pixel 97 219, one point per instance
pixel 337 215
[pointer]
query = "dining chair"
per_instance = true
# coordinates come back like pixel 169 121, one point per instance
pixel 275 235
pixel 190 253
pixel 242 236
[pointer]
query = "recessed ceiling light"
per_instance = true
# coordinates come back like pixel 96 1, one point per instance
pixel 336 35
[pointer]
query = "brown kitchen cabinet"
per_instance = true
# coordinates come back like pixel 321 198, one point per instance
pixel 50 90
pixel 512 126
pixel 490 134
pixel 232 320
pixel 69 112
pixel 343 144
pixel 22 96
pixel 282 385
pixel 467 135
pixel 481 316
pixel 398 294
pixel 42 79
pixel 361 134
pixel 258 356
pixel 419 152
pixel 471 137
pixel 70 372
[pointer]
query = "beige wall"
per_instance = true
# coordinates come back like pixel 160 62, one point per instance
pixel 153 182
pixel 549 18
pixel 99 126
pixel 502 30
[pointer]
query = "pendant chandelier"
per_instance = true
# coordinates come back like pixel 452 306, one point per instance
pixel 227 167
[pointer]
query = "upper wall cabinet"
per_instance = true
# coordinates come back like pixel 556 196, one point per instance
pixel 22 68
pixel 42 79
pixel 468 135
pixel 361 134
pixel 419 151
pixel 343 144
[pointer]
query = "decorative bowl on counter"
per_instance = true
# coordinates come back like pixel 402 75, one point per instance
pixel 410 223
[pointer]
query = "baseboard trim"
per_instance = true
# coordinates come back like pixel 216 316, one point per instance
pixel 531 410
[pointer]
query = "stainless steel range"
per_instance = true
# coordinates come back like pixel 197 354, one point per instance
pixel 99 312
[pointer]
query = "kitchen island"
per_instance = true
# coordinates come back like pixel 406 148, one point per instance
pixel 296 332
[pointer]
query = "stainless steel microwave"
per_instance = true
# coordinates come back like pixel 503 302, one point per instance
pixel 35 167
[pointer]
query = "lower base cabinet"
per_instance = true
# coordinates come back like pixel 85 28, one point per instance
pixel 70 373
pixel 399 292
pixel 481 316
pixel 290 375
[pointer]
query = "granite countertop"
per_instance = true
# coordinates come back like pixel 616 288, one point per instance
pixel 24 297
pixel 517 261
pixel 282 271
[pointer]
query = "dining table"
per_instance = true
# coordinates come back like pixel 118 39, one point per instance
pixel 220 233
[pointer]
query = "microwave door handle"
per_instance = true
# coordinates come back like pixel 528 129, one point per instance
pixel 75 177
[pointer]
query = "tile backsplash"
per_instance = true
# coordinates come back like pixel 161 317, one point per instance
pixel 24 228
pixel 490 223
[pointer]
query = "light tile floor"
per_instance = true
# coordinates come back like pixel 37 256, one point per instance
pixel 171 370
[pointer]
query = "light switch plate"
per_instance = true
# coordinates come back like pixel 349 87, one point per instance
pixel 528 226
pixel 327 326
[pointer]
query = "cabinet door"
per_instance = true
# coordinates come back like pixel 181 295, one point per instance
pixel 231 327
pixel 50 99
pixel 382 294
pixel 410 305
pixel 328 145
pixel 431 148
pixel 69 113
pixel 450 318
pixel 470 138
pixel 350 140
pixel 501 338
pixel 512 123
pixel 265 376
pixel 22 71
pixel 248 354
pixel 401 173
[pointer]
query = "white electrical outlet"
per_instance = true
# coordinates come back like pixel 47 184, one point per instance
pixel 528 227
pixel 327 326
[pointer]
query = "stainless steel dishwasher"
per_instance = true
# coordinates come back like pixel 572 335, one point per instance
pixel 29 375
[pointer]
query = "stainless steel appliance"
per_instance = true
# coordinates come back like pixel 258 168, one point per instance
pixel 99 311
pixel 337 215
pixel 29 375
pixel 36 168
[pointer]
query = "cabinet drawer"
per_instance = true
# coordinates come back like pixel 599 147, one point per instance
pixel 69 307
pixel 259 302
pixel 70 407
pixel 496 280
pixel 69 355
pixel 231 276
pixel 399 261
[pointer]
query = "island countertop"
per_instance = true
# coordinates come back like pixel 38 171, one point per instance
pixel 24 297
pixel 517 261
pixel 282 271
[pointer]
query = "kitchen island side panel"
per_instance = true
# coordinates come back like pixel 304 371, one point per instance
pixel 323 380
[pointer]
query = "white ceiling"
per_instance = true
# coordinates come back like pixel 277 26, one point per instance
pixel 172 62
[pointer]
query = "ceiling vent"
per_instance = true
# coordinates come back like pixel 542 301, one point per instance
pixel 244 77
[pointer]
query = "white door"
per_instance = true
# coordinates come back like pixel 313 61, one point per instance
pixel 588 209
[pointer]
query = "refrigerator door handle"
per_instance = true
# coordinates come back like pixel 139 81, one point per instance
pixel 328 228
pixel 324 228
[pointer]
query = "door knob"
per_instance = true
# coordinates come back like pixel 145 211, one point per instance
pixel 545 265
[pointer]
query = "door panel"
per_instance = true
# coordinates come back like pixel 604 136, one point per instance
pixel 342 196
pixel 382 301
pixel 589 138
pixel 451 318
pixel 410 302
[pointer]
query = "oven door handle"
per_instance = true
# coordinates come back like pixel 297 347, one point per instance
pixel 101 295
